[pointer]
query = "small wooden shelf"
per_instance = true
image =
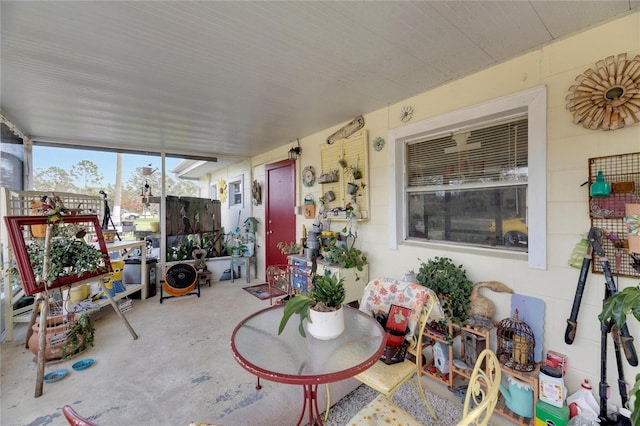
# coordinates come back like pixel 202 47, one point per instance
pixel 456 333
pixel 439 377
pixel 527 377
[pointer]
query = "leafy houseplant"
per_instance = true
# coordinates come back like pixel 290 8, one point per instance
pixel 450 283
pixel 327 295
pixel 288 248
pixel 337 252
pixel 68 255
pixel 234 244
pixel 80 335
pixel 616 308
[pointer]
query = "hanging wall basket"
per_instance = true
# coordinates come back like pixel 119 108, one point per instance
pixel 608 96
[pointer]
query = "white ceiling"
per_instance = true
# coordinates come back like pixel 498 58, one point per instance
pixel 238 78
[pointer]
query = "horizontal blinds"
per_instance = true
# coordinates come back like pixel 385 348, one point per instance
pixel 492 154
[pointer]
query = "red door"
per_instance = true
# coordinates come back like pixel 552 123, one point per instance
pixel 280 199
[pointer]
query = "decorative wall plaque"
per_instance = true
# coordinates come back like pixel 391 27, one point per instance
pixel 347 130
pixel 608 96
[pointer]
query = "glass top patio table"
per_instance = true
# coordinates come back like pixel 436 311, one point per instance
pixel 291 358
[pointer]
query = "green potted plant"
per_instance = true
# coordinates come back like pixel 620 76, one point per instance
pixel 326 297
pixel 66 335
pixel 338 252
pixel 450 283
pixel 80 336
pixel 234 245
pixel 289 248
pixel 617 307
pixel 68 255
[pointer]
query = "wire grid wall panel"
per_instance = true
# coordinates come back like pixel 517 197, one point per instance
pixel 622 172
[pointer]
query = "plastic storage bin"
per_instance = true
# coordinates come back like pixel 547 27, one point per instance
pixel 133 275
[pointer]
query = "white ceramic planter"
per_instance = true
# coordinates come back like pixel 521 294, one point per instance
pixel 326 325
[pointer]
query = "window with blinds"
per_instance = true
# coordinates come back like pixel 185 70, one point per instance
pixel 470 186
pixel 495 154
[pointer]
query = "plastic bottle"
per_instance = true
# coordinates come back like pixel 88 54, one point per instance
pixel 551 385
pixel 578 253
pixel 583 402
pixel 600 188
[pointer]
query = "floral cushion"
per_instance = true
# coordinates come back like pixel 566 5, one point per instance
pixel 381 293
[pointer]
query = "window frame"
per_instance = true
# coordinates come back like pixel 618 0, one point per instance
pixel 239 181
pixel 533 102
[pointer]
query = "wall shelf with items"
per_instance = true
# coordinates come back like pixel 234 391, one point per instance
pixel 622 173
pixel 345 176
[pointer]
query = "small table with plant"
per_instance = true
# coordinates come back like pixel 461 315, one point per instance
pixel 291 358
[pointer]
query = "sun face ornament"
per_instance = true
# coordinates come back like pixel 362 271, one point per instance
pixel 607 97
pixel 222 190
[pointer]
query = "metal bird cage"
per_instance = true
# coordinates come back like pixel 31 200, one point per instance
pixel 516 344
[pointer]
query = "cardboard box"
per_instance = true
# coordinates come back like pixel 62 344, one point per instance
pixel 557 360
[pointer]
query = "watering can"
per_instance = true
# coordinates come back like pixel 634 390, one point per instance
pixel 519 397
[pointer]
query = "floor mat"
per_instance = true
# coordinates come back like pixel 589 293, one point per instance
pixel 261 291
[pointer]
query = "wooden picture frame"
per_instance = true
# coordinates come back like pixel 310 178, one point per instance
pixel 19 228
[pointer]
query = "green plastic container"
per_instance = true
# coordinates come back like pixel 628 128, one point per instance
pixel 550 415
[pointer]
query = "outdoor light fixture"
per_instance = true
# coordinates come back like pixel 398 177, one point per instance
pixel 295 152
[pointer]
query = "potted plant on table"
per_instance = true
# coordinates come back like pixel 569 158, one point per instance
pixel 321 308
pixel 617 307
pixel 450 283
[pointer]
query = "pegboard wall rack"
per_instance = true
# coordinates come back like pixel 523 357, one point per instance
pixel 622 172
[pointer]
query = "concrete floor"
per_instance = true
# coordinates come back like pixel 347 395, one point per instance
pixel 179 370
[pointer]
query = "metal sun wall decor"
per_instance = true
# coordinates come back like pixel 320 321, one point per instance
pixel 378 144
pixel 607 97
pixel 222 190
pixel 406 114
